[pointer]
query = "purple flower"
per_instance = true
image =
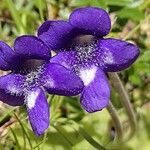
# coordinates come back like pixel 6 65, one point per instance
pixel 80 47
pixel 31 75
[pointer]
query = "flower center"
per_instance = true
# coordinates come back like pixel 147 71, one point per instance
pixel 86 48
pixel 27 66
pixel 33 76
pixel 83 40
pixel 31 69
pixel 86 52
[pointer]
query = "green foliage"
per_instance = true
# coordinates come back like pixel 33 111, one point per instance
pixel 71 127
pixel 131 13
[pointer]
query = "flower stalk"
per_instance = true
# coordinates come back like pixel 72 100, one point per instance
pixel 116 121
pixel 125 101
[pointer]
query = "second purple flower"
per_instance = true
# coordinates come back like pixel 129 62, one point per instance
pixel 81 48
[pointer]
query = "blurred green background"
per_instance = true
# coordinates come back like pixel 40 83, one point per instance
pixel 71 127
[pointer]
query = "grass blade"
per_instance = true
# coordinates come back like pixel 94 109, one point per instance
pixel 15 137
pixel 24 131
pixel 15 16
pixel 40 7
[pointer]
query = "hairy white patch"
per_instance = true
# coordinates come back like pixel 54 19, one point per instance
pixel 49 82
pixel 88 75
pixel 108 57
pixel 31 98
pixel 13 89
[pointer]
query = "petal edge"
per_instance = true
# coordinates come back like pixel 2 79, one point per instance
pixel 117 54
pixel 57 79
pixel 96 94
pixel 91 20
pixel 38 110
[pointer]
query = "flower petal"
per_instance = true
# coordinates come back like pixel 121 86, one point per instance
pixel 56 79
pixel 5 66
pixel 96 93
pixel 91 20
pixel 56 34
pixel 38 110
pixel 11 89
pixel 28 46
pixel 7 57
pixel 117 54
pixel 44 27
pixel 66 59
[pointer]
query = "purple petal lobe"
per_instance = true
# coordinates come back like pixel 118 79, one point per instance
pixel 56 34
pixel 38 110
pixel 44 27
pixel 7 58
pixel 11 89
pixel 91 20
pixel 66 59
pixel 4 65
pixel 116 54
pixel 31 47
pixel 56 79
pixel 96 93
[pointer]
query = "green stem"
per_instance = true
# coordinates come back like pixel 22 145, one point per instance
pixel 116 121
pixel 90 139
pixel 86 135
pixel 59 129
pixel 125 101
